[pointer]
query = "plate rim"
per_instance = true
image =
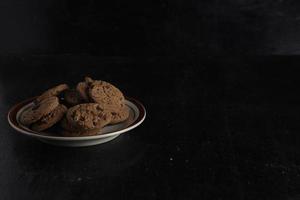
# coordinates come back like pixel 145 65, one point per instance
pixel 12 114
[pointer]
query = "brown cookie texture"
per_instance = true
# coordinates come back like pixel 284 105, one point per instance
pixel 65 124
pixel 40 109
pixel 88 79
pixel 120 116
pixel 82 88
pixel 72 97
pixel 88 116
pixel 50 119
pixel 107 95
pixel 70 131
pixel 55 91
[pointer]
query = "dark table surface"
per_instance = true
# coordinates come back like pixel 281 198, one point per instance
pixel 217 128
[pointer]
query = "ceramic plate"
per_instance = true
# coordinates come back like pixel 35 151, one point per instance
pixel 137 114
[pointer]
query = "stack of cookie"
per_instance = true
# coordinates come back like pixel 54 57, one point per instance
pixel 82 111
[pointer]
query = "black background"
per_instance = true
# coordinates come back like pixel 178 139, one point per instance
pixel 150 28
pixel 219 80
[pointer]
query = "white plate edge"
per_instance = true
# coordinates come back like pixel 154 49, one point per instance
pixel 60 138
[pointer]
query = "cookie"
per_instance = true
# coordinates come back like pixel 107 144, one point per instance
pixel 120 116
pixel 72 97
pixel 107 95
pixel 88 80
pixel 37 111
pixel 88 116
pixel 66 125
pixel 50 119
pixel 82 88
pixel 69 131
pixel 55 91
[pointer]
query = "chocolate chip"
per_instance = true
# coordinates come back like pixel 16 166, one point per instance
pixel 99 108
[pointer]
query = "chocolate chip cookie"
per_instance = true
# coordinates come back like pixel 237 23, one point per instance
pixel 40 109
pixel 82 88
pixel 55 91
pixel 93 104
pixel 106 95
pixel 88 79
pixel 88 116
pixel 119 116
pixel 50 119
pixel 72 97
pixel 70 131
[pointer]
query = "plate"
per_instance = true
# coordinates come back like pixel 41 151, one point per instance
pixel 137 115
